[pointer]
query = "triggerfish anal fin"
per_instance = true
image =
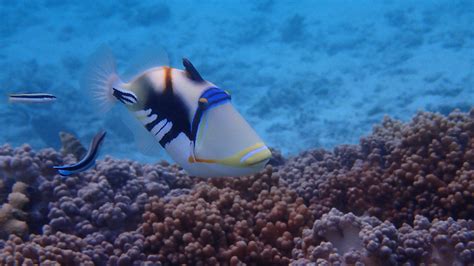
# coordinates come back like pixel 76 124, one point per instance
pixel 89 159
pixel 145 142
pixel 191 71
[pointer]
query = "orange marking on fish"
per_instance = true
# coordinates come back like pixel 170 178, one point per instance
pixel 168 81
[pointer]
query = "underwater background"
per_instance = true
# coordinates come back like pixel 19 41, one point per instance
pixel 305 74
pixel 309 76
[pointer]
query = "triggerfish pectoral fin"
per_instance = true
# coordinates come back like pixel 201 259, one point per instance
pixel 87 162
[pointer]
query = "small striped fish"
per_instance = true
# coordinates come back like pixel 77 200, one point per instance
pixel 31 98
pixel 87 162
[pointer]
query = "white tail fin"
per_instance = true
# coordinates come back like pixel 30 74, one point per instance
pixel 100 76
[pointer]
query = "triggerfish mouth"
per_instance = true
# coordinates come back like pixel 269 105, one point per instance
pixel 191 118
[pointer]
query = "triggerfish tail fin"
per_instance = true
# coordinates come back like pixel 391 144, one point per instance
pixel 99 78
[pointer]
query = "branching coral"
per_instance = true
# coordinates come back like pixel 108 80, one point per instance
pixel 106 199
pixel 249 219
pixel 21 170
pixel 346 238
pixel 417 177
pixel 423 167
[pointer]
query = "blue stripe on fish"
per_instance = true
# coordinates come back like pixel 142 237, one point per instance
pixel 89 159
pixel 65 172
pixel 31 97
pixel 209 92
pixel 214 97
pixel 218 97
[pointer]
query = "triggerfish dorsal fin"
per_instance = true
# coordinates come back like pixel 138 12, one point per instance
pixel 145 59
pixel 193 74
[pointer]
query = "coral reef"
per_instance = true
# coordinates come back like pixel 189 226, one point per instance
pixel 423 167
pixel 108 199
pixel 12 216
pixel 71 145
pixel 346 238
pixel 404 195
pixel 245 220
pixel 21 172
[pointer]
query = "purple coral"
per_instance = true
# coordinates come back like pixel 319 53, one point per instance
pixel 346 238
pixel 416 177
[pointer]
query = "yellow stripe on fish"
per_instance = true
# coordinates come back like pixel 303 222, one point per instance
pixel 249 156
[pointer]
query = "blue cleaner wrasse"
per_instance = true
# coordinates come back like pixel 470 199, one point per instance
pixel 89 159
pixel 31 98
pixel 191 118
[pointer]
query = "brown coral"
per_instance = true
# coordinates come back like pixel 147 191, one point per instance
pixel 410 173
pixel 249 220
pixel 423 167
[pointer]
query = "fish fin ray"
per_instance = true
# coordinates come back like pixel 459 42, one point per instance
pixel 99 76
pixel 192 71
pixel 144 140
pixel 148 57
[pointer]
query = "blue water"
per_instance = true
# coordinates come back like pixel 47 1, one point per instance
pixel 305 74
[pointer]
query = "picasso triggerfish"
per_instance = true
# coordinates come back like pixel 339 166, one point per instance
pixel 191 118
pixel 89 159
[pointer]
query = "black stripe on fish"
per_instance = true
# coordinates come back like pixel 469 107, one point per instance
pixel 159 133
pixel 33 96
pixel 151 125
pixel 166 105
pixel 191 71
pixel 156 129
pixel 124 97
pixel 90 156
pixel 162 128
